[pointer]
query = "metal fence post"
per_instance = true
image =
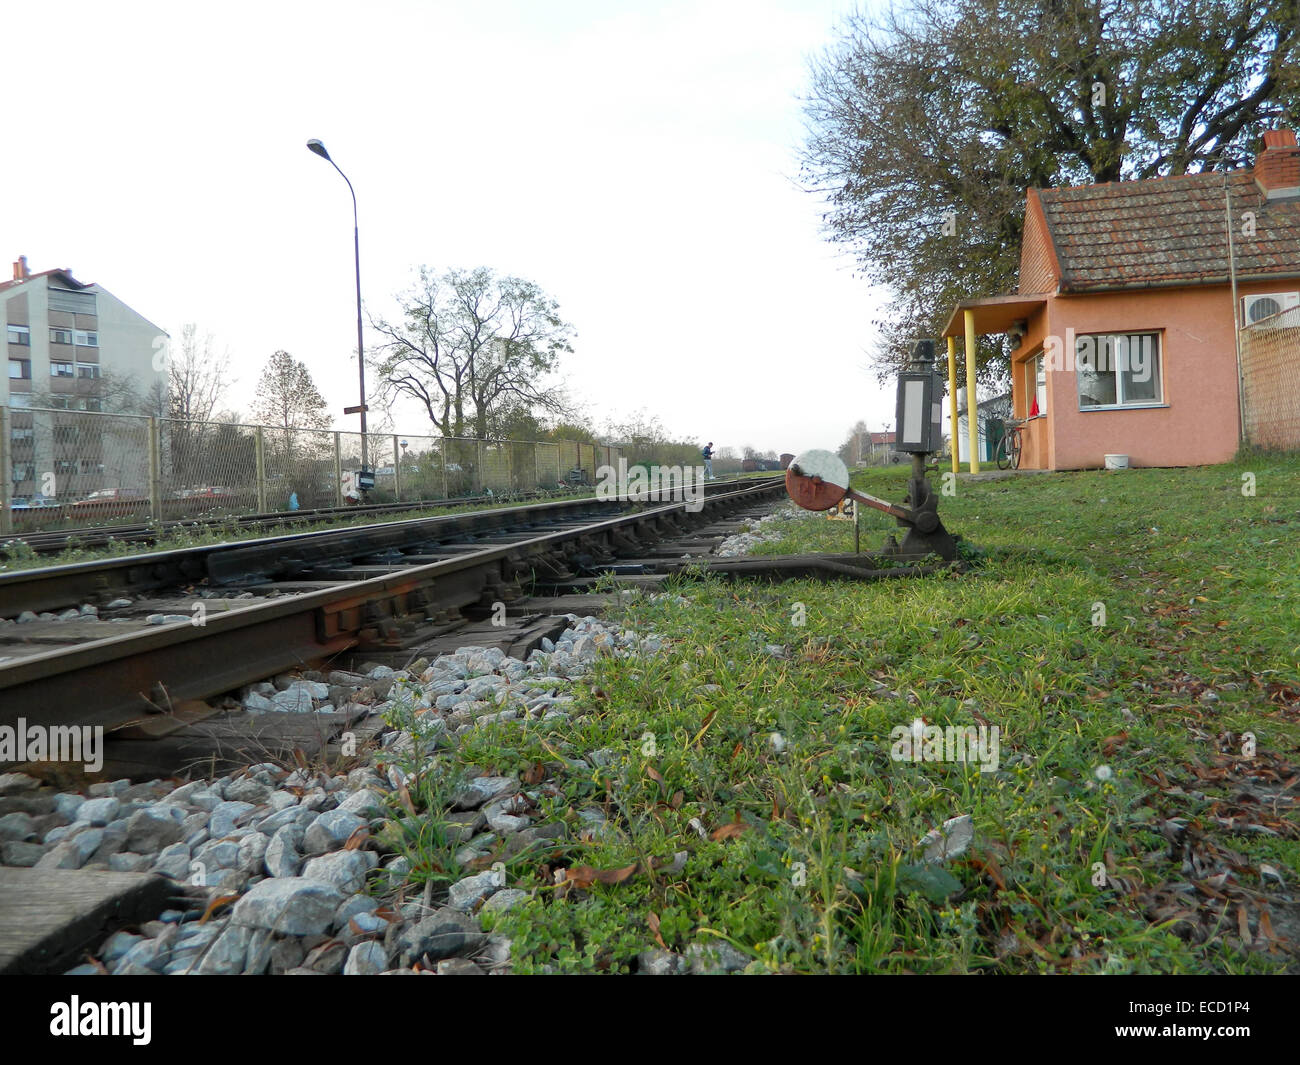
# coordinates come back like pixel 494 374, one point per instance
pixel 444 466
pixel 338 471
pixel 397 471
pixel 6 472
pixel 155 471
pixel 479 484
pixel 259 456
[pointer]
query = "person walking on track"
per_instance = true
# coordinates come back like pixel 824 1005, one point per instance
pixel 707 452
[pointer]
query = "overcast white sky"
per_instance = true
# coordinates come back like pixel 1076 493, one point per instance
pixel 637 160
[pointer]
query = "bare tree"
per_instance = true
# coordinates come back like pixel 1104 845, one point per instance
pixel 197 377
pixel 470 347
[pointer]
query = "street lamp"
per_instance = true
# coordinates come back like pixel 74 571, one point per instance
pixel 319 149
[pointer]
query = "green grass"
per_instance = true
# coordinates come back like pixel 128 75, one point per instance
pixel 1200 644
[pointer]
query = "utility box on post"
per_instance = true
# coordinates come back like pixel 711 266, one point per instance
pixel 920 403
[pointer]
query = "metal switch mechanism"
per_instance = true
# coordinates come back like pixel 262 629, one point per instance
pixel 819 480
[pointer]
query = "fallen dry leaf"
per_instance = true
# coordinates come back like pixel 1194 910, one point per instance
pixel 1111 744
pixel 216 904
pixel 652 919
pixel 583 876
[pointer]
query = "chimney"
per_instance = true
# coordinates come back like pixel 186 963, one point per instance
pixel 1277 170
pixel 21 272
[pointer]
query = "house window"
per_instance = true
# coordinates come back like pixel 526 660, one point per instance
pixel 87 340
pixel 19 399
pixel 20 334
pixel 62 369
pixel 20 369
pixel 1036 386
pixel 1118 369
pixel 19 436
pixel 87 369
pixel 60 336
pixel 65 467
pixel 24 471
pixel 94 405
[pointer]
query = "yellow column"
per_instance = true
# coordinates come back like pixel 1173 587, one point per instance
pixel 972 406
pixel 952 401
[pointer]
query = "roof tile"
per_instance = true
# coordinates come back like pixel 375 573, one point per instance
pixel 1168 230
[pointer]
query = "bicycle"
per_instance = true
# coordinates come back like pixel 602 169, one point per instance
pixel 1011 447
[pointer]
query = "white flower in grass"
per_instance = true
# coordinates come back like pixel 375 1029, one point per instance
pixel 1103 772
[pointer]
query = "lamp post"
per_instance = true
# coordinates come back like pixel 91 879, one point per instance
pixel 319 149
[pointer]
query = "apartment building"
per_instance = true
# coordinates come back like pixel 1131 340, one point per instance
pixel 65 340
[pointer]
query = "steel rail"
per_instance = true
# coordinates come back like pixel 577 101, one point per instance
pixel 60 587
pixel 47 541
pixel 122 679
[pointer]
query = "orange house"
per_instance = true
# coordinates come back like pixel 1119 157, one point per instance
pixel 1125 318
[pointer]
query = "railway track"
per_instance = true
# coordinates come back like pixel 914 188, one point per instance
pixel 52 541
pixel 167 628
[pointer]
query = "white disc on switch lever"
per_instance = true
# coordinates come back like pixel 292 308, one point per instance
pixel 817 480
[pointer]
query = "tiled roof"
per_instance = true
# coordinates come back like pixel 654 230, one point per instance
pixel 1167 231
pixel 882 438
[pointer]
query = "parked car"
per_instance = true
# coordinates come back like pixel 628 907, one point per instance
pixel 111 501
pixel 104 495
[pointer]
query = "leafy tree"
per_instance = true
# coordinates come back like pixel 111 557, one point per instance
pixel 858 444
pixel 927 124
pixel 568 430
pixel 287 397
pixel 471 347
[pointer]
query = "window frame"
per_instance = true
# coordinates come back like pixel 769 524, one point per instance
pixel 56 333
pixel 86 338
pixel 1032 369
pixel 72 368
pixel 25 369
pixel 1121 403
pixel 23 337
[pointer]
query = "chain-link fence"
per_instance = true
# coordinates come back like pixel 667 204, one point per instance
pixel 1270 352
pixel 80 468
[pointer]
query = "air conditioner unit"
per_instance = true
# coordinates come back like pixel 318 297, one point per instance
pixel 1254 308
